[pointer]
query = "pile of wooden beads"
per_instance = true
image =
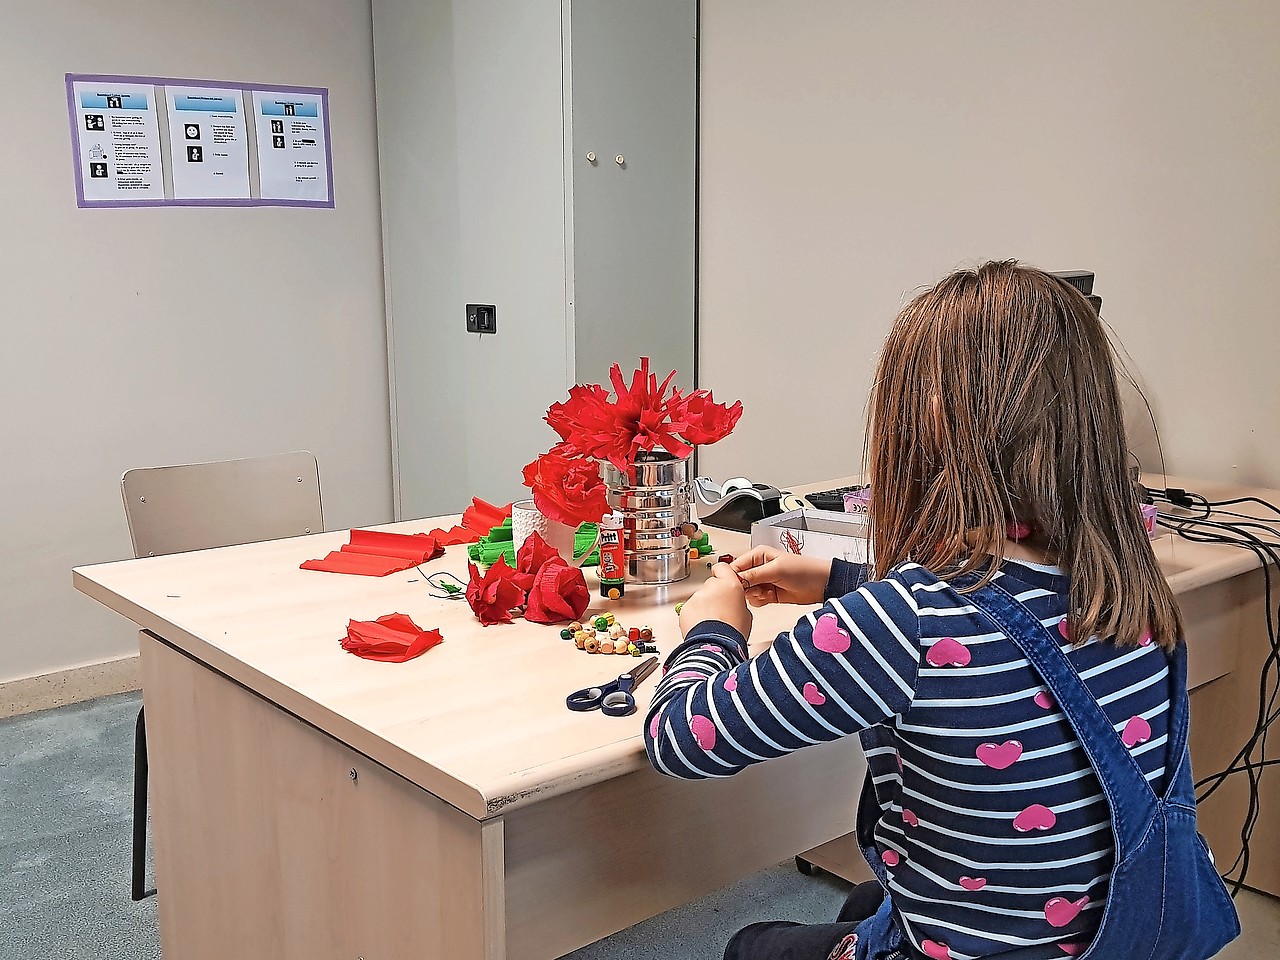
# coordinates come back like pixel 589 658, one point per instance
pixel 605 635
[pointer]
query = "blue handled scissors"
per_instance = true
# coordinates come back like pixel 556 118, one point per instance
pixel 615 698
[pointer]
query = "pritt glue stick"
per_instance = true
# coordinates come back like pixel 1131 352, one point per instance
pixel 612 559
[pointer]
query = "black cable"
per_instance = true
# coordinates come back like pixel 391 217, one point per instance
pixel 1200 528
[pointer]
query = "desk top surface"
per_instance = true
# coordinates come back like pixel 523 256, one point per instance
pixel 480 720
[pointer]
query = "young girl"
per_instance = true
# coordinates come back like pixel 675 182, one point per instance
pixel 1012 662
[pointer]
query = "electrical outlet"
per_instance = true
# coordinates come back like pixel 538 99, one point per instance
pixel 482 318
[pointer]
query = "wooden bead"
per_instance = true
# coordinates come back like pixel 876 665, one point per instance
pixel 615 631
pixel 575 626
pixel 606 646
pixel 633 634
pixel 579 639
pixel 592 645
pixel 646 633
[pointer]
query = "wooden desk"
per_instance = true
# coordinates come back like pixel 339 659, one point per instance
pixel 307 803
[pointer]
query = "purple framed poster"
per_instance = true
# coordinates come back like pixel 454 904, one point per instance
pixel 161 141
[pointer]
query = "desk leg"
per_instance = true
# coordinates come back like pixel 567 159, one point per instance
pixel 273 840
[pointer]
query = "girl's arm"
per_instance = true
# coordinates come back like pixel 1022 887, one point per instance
pixel 847 666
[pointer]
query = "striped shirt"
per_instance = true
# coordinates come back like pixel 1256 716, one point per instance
pixel 993 827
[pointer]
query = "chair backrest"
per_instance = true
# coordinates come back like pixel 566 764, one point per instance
pixel 196 506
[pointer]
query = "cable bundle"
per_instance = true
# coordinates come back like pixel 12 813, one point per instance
pixel 1200 525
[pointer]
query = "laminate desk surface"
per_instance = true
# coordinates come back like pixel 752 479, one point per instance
pixel 480 720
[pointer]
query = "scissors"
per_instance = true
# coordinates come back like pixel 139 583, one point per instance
pixel 615 698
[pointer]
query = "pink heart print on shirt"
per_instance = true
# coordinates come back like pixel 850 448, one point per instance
pixel 1136 731
pixel 999 756
pixel 731 682
pixel 1073 949
pixel 829 636
pixel 813 695
pixel 939 951
pixel 653 727
pixel 1035 817
pixel 704 731
pixel 909 818
pixel 1059 912
pixel 948 652
pixel 1044 700
pixel 1146 638
pixel 891 858
pixel 973 883
pixel 1064 629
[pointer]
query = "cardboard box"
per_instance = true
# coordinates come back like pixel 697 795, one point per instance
pixel 816 533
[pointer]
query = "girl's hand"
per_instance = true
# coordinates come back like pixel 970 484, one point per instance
pixel 720 598
pixel 776 577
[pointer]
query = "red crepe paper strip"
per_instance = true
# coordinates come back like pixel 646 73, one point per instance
pixel 454 536
pixel 493 594
pixel 360 564
pixel 376 553
pixel 481 516
pixel 569 491
pixel 394 638
pixel 559 594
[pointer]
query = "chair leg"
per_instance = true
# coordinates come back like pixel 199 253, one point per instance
pixel 139 886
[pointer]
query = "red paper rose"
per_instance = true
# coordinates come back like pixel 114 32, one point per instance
pixel 533 554
pixel 559 594
pixel 701 419
pixel 567 490
pixel 494 594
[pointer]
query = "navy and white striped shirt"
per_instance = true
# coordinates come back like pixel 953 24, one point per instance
pixel 992 824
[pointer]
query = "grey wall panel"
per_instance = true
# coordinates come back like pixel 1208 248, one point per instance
pixel 634 95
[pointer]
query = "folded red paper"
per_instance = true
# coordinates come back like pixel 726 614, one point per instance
pixel 394 638
pixel 455 535
pixel 376 553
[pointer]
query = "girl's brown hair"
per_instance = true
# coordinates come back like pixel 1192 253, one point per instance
pixel 996 400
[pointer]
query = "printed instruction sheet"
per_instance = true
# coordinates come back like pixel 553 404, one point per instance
pixel 118 142
pixel 293 149
pixel 209 143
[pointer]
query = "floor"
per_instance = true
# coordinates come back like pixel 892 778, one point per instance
pixel 65 800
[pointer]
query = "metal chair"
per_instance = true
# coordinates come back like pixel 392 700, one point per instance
pixel 197 506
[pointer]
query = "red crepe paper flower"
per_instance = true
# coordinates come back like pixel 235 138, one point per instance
pixel 533 555
pixel 394 638
pixel 566 489
pixel 639 416
pixel 559 594
pixel 702 419
pixel 493 594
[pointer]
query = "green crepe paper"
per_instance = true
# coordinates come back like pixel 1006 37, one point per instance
pixel 702 543
pixel 498 543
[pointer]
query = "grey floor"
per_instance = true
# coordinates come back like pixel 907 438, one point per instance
pixel 65 801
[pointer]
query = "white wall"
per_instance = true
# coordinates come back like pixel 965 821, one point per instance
pixel 852 152
pixel 136 337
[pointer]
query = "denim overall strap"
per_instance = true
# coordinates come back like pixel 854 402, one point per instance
pixel 1132 801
